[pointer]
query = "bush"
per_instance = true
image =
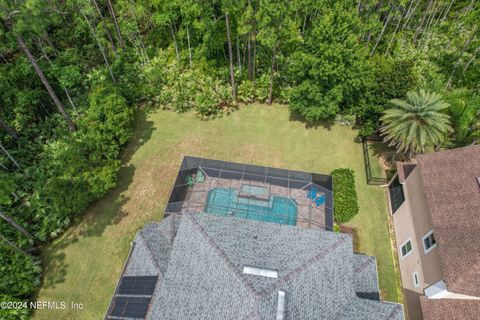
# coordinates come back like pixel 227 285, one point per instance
pixel 344 195
pixel 183 89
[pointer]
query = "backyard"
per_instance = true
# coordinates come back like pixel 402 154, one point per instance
pixel 84 264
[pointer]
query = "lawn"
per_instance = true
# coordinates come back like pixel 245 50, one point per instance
pixel 83 265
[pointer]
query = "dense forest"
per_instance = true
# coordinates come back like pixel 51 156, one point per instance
pixel 74 72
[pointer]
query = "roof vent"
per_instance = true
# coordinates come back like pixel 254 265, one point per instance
pixel 269 273
pixel 478 181
pixel 280 305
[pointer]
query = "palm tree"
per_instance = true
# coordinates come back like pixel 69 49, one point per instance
pixel 416 123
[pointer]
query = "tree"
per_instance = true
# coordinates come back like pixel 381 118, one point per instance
pixel 417 123
pixel 230 56
pixel 329 69
pixel 8 129
pixel 277 30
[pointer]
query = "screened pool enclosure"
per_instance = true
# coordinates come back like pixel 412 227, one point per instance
pixel 253 192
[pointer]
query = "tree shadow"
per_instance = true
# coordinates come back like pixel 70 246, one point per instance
pixel 101 213
pixel 385 152
pixel 326 124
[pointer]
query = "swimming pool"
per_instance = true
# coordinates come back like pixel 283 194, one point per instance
pixel 227 202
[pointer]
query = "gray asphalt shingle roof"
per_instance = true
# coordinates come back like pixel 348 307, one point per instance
pixel 200 260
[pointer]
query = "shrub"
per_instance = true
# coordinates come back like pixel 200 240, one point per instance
pixel 344 194
pixel 246 92
pixel 336 227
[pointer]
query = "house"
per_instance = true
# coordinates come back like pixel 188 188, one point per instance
pixel 435 203
pixel 203 266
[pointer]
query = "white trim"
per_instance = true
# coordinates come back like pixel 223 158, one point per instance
pixel 408 253
pixel 416 279
pixel 269 273
pixel 437 290
pixel 423 242
pixel 280 305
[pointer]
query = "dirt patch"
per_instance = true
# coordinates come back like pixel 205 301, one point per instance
pixel 354 233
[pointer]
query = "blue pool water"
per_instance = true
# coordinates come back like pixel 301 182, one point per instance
pixel 226 202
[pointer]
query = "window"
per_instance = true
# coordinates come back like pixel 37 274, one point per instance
pixel 416 282
pixel 429 242
pixel 406 248
pixel 396 194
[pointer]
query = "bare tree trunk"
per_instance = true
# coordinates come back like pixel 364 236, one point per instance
pixel 470 6
pixel 175 42
pixel 395 31
pixel 449 82
pixel 47 38
pixel 272 74
pixel 254 61
pixel 410 13
pixel 9 156
pixel 230 56
pixel 381 33
pixel 15 225
pixel 239 57
pixel 249 57
pixel 420 25
pixel 189 48
pixel 369 37
pixel 115 23
pixel 105 26
pixel 9 129
pixel 429 21
pixel 469 62
pixel 39 44
pixel 447 11
pixel 102 51
pixel 11 244
pixel 44 80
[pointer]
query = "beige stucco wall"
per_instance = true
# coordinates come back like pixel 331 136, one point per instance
pixel 412 221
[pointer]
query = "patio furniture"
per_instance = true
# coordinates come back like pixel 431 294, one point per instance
pixel 320 200
pixel 190 181
pixel 312 194
pixel 200 176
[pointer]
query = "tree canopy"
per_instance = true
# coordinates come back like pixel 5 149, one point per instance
pixel 73 73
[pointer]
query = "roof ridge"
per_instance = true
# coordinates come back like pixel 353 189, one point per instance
pixel 363 264
pixel 221 253
pixel 149 252
pixel 303 267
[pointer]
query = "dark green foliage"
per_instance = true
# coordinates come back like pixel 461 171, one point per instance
pixel 464 114
pixel 344 195
pixel 392 78
pixel 183 89
pixel 329 69
pixel 327 59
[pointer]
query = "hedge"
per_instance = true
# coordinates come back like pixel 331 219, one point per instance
pixel 344 194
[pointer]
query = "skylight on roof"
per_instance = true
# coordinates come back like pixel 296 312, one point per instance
pixel 269 273
pixel 280 305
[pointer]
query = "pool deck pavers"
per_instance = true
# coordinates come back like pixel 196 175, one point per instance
pixel 308 215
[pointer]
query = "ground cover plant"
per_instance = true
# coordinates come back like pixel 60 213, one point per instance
pixel 74 74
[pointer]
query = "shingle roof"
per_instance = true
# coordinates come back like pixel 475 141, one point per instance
pixel 450 309
pixel 404 169
pixel 200 263
pixel 453 198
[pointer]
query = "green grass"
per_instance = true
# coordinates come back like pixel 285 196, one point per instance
pixel 83 265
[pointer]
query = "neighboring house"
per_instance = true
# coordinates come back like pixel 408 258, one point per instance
pixel 435 203
pixel 203 266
